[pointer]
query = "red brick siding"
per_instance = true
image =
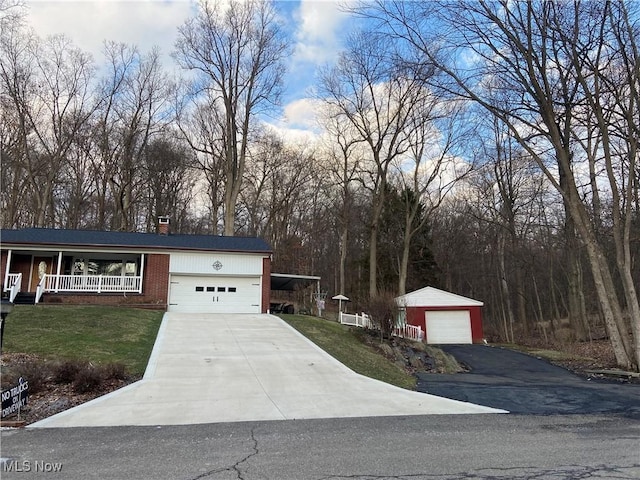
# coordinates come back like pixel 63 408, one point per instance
pixel 3 266
pixel 19 264
pixel 156 278
pixel 266 284
pixel 120 299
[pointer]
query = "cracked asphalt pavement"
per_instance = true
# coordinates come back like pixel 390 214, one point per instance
pixel 414 448
pixel 523 384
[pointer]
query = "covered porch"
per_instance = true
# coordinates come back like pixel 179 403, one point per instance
pixel 38 272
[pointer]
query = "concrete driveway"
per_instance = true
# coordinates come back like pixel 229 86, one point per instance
pixel 229 368
pixel 524 384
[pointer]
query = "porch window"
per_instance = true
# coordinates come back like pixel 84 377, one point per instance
pixel 81 272
pixel 108 267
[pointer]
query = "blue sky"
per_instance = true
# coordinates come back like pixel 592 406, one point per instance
pixel 316 28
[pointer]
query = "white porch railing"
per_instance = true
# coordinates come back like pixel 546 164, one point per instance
pixel 40 289
pixel 88 284
pixel 14 283
pixel 91 283
pixel 411 332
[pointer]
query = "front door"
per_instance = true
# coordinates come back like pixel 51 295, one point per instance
pixel 40 266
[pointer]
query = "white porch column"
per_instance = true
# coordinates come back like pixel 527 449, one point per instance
pixel 141 272
pixel 7 270
pixel 58 272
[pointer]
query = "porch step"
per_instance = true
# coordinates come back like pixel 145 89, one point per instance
pixel 24 298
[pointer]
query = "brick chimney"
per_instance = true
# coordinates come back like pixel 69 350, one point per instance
pixel 163 225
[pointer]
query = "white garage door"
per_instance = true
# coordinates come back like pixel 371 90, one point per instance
pixel 448 327
pixel 209 294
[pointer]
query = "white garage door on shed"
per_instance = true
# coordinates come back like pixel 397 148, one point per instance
pixel 448 326
pixel 214 294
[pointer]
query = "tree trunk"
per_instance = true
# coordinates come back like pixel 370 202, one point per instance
pixel 577 310
pixel 378 204
pixel 404 260
pixel 504 284
pixel 373 259
pixel 609 304
pixel 344 237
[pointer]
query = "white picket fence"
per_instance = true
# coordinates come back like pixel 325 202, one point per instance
pixel 411 332
pixel 356 320
pixel 363 321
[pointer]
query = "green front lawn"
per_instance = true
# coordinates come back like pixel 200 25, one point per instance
pixel 342 343
pixel 98 334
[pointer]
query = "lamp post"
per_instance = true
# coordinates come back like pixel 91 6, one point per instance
pixel 5 310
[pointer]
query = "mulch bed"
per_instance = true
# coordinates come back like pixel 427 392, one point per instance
pixel 49 397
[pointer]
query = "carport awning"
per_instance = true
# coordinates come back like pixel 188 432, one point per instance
pixel 288 282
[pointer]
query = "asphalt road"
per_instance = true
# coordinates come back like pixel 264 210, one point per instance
pixel 523 384
pixel 406 448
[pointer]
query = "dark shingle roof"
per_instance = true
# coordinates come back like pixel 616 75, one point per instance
pixel 92 238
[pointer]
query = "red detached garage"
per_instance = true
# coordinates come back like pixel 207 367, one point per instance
pixel 444 316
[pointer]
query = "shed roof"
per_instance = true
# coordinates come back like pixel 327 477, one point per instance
pixel 433 297
pixel 290 282
pixel 93 238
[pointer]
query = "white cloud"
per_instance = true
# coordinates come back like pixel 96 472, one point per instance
pixel 320 27
pixel 302 113
pixel 298 124
pixel 144 23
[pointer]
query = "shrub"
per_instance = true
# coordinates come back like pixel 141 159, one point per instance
pixel 87 380
pixel 66 371
pixel 8 377
pixel 35 372
pixel 114 371
pixel 383 311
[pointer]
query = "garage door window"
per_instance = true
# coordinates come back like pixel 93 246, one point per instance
pixel 219 289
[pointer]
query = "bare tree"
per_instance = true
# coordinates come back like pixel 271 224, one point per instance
pixel 170 172
pixel 199 122
pixel 12 13
pixel 278 188
pixel 135 98
pixel 46 84
pixel 534 56
pixel 429 170
pixel 371 89
pixel 343 163
pixel 237 53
